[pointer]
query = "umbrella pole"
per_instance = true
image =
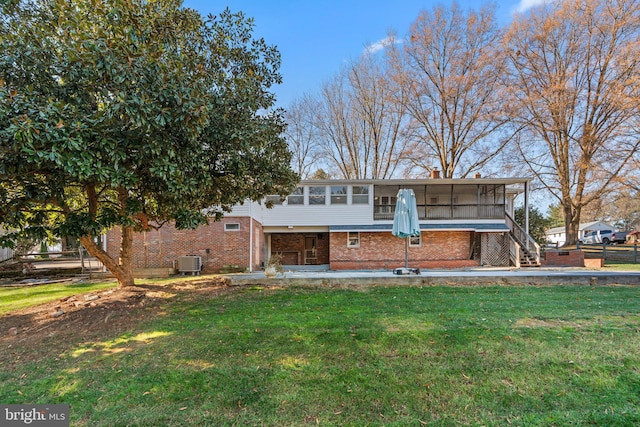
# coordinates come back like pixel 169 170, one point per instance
pixel 406 252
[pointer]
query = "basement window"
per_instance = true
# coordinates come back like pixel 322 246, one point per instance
pixel 232 226
pixel 353 239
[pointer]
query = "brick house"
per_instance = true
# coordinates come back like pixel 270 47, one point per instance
pixel 346 225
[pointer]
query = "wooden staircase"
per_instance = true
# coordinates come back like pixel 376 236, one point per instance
pixel 527 259
pixel 523 250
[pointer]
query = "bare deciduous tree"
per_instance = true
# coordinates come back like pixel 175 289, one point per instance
pixel 361 127
pixel 575 90
pixel 450 66
pixel 302 134
pixel 630 178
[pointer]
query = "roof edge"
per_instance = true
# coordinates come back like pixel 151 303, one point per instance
pixel 421 181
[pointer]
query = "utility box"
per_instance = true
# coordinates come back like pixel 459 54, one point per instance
pixel 190 264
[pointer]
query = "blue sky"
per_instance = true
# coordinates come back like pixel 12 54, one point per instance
pixel 316 37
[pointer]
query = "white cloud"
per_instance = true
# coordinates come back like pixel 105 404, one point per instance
pixel 525 5
pixel 381 44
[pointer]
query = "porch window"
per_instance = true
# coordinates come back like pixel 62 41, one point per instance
pixel 415 240
pixel 360 195
pixel 317 195
pixel 491 201
pixel 275 200
pixel 339 195
pixel 353 239
pixel 387 204
pixel 297 197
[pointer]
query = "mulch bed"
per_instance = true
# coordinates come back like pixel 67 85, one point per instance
pixel 52 328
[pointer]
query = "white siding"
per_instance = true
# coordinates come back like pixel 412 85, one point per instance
pixel 321 215
pixel 248 208
pixel 328 214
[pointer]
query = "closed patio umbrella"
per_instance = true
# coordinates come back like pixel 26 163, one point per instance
pixel 405 219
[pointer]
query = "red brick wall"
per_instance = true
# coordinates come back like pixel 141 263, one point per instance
pixel 573 258
pixel 440 249
pixel 160 248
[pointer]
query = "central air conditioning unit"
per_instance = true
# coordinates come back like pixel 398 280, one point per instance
pixel 190 264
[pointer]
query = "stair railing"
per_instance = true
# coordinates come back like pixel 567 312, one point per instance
pixel 514 251
pixel 522 238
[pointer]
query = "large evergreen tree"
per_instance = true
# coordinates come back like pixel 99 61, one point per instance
pixel 538 224
pixel 130 113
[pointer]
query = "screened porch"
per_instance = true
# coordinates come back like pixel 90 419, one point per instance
pixel 445 201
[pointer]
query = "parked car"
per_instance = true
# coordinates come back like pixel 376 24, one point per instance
pixel 619 237
pixel 597 236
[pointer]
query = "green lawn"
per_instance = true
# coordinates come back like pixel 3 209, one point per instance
pixel 614 265
pixel 392 356
pixel 14 298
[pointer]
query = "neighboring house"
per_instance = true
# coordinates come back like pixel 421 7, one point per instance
pixel 5 253
pixel 557 236
pixel 346 224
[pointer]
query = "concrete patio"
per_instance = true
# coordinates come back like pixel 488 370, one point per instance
pixel 470 276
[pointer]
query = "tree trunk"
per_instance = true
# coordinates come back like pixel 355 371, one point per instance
pixel 572 225
pixel 122 270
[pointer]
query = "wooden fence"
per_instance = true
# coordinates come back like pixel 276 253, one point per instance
pixel 618 253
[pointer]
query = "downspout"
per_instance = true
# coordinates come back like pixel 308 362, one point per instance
pixel 451 203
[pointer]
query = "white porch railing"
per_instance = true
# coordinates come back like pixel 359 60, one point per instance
pixel 528 246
